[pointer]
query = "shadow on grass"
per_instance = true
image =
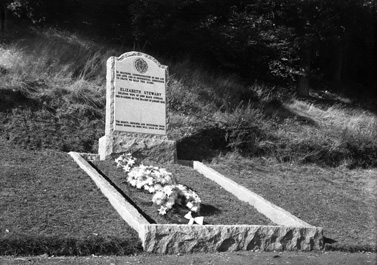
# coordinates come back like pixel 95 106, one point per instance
pixel 209 143
pixel 276 110
pixel 203 145
pixel 58 246
pixel 11 98
pixel 209 210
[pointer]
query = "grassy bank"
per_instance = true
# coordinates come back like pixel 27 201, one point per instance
pixel 53 96
pixel 49 206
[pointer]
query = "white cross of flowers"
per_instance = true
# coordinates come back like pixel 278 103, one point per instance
pixel 198 220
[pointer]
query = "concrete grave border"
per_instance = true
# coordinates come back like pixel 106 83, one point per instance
pixel 291 233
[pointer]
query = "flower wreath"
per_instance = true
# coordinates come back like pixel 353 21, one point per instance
pixel 159 181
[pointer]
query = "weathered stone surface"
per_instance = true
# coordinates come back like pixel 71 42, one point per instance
pixel 172 239
pixel 136 109
pixel 147 150
pixel 136 100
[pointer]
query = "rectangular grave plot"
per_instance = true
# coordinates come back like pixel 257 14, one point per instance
pixel 218 205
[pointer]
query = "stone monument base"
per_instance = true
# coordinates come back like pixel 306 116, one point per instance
pixel 150 149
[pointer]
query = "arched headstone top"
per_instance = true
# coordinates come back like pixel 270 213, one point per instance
pixel 139 54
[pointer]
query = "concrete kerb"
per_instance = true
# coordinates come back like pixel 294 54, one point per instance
pixel 290 234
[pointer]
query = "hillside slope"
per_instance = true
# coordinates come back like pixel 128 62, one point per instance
pixel 52 96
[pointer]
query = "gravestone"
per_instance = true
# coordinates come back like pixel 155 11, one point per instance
pixel 136 109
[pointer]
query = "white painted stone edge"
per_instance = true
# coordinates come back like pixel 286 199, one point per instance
pixel 275 213
pixel 131 215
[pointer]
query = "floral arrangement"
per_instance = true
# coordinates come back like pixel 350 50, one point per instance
pixel 149 178
pixel 167 193
pixel 170 195
pixel 126 162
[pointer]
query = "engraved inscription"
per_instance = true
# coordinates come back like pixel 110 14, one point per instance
pixel 140 96
pixel 139 78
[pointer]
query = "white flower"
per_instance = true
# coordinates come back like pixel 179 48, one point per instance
pixel 194 208
pixel 132 182
pixel 139 185
pixel 150 181
pixel 157 201
pixel 157 187
pixel 170 204
pixel 168 190
pixel 162 210
pixel 158 197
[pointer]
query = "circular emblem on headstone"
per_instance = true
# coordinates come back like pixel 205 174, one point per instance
pixel 141 65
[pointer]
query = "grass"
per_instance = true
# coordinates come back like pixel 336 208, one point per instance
pixel 340 200
pixel 218 206
pixel 49 206
pixel 52 82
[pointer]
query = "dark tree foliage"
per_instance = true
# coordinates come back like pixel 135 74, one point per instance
pixel 328 34
pixel 279 41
